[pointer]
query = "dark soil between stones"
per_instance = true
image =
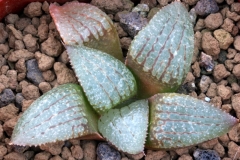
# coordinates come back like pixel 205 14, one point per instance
pixel 33 61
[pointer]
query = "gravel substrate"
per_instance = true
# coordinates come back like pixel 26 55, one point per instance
pixel 33 61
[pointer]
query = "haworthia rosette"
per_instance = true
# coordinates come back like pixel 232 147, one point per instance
pixel 84 24
pixel 58 115
pixel 161 53
pixel 105 80
pixel 179 120
pixel 126 128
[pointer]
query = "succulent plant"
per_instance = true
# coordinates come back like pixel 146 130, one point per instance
pixel 108 102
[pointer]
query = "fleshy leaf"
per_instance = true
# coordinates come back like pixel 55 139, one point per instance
pixel 81 23
pixel 126 128
pixel 105 80
pixel 161 53
pixel 58 115
pixel 178 121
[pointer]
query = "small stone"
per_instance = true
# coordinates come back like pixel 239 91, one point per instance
pixel 163 2
pixel 12 81
pixel 199 25
pixel 66 153
pixel 52 47
pixel 156 155
pixel 26 104
pixel 196 69
pixel 2 87
pixel 8 112
pixel 212 90
pixel 33 72
pixel 182 151
pixel 64 74
pixel 234 133
pixel 44 62
pixel 20 66
pixel 104 151
pixel 33 9
pixel 204 83
pixel 43 32
pixel 18 45
pixel 77 152
pixel 30 29
pixel 213 21
pixel 30 92
pixel 4 48
pixel 44 87
pixel 233 16
pixel 19 99
pixel 125 42
pixel 11 18
pixel 229 64
pixel 42 156
pixel 48 75
pixel 237 43
pixel 185 157
pixel 14 156
pixel 45 7
pixel 2 61
pixel 220 72
pixel 132 22
pixel 121 32
pixel 208 144
pixel 226 108
pixel 206 7
pixel 63 58
pixel 210 45
pixel 22 23
pixel 7 97
pixel 233 150
pixel 222 56
pixel 21 76
pixel 11 40
pixel 18 54
pixel 113 7
pixel 236 103
pixel 206 61
pixel 30 43
pixel 9 125
pixel 3 34
pixel 3 149
pixel 235 87
pixel 224 92
pixel 35 22
pixel 53 148
pixel 236 71
pixel 89 150
pixel 16 33
pixel 143 9
pixel 224 38
pixel 57 157
pixel 150 3
pixel 227 25
pixel 206 154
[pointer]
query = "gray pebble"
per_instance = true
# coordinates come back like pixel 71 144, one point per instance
pixel 6 97
pixel 206 7
pixel 105 152
pixel 132 22
pixel 33 72
pixel 206 155
pixel 19 99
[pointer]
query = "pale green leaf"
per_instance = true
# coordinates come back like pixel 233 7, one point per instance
pixel 126 128
pixel 85 24
pixel 179 121
pixel 160 55
pixel 105 80
pixel 58 115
